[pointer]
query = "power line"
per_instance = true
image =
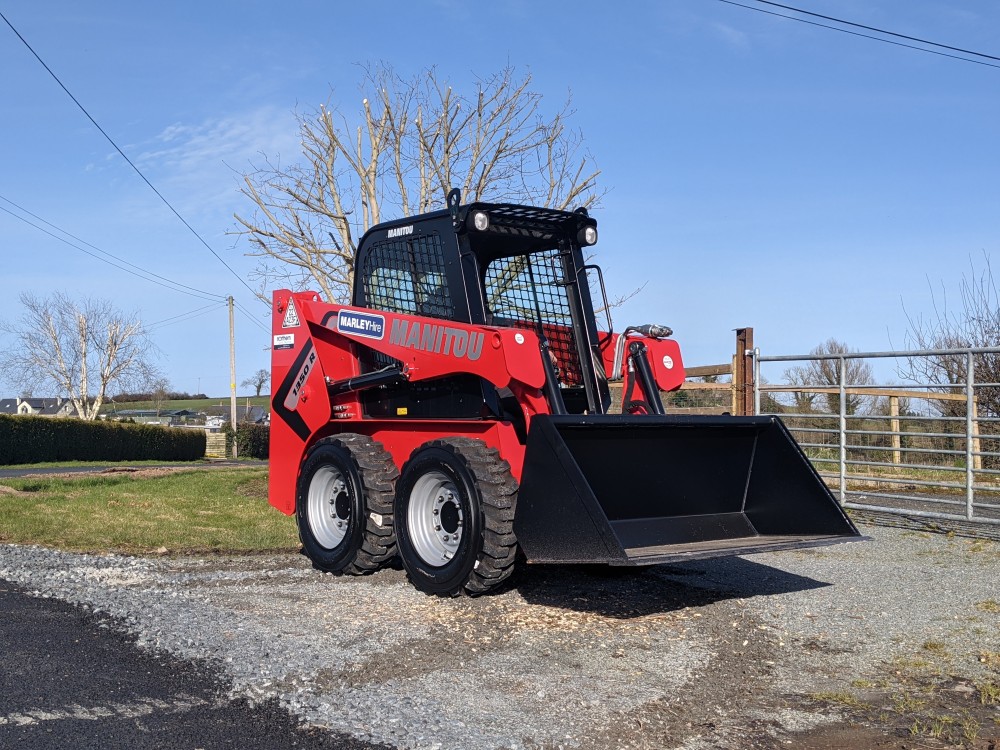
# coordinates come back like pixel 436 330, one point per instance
pixel 880 31
pixel 251 316
pixel 185 316
pixel 139 272
pixel 122 153
pixel 855 33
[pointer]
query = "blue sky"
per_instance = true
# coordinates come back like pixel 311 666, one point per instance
pixel 760 172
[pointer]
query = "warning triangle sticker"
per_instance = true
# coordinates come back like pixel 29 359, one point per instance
pixel 291 317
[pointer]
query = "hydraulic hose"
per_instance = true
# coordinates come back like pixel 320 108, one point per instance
pixel 650 330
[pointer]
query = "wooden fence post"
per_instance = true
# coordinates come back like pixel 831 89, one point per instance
pixel 897 453
pixel 743 372
pixel 977 461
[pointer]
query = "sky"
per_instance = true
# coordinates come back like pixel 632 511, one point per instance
pixel 758 171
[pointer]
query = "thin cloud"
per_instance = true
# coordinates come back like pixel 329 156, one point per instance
pixel 203 161
pixel 731 36
pixel 185 148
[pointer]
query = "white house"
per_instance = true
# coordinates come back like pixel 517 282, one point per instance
pixel 42 407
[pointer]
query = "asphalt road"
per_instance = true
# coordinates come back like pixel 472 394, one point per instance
pixel 68 680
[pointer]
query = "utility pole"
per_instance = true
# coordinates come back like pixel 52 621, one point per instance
pixel 232 371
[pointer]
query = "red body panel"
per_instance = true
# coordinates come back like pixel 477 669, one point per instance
pixel 316 343
pixel 664 357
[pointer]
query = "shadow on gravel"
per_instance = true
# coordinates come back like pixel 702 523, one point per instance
pixel 739 577
pixel 635 592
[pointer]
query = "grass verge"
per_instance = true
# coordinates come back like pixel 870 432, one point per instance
pixel 145 512
pixel 195 405
pixel 108 464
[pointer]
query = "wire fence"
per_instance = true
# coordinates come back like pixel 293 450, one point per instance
pixel 920 438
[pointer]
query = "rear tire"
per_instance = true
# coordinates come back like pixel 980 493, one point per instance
pixel 454 511
pixel 344 505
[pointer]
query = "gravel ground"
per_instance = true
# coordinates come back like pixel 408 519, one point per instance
pixel 725 653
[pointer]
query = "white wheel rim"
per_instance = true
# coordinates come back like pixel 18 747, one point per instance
pixel 329 506
pixel 434 518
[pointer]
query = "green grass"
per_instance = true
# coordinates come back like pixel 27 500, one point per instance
pixel 222 510
pixel 842 698
pixel 989 693
pixel 91 464
pixel 195 405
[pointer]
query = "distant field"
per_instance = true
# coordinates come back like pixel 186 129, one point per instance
pixel 195 405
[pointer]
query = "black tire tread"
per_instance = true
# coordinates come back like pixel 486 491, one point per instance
pixel 498 490
pixel 378 475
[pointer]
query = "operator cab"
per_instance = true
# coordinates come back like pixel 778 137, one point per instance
pixel 488 264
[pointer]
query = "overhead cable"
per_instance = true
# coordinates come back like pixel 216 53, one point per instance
pixel 183 317
pixel 122 154
pixel 864 36
pixel 880 31
pixel 139 270
pixel 253 318
pixel 159 280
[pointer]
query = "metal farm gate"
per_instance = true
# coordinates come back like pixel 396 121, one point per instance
pixel 920 438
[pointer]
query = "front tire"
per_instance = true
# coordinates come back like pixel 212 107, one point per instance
pixel 343 505
pixel 454 512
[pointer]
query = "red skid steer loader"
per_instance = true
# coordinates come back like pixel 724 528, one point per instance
pixel 458 413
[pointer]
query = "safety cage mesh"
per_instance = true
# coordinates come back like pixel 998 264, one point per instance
pixel 526 291
pixel 407 276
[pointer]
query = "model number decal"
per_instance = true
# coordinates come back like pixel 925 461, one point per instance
pixel 292 399
pixel 361 324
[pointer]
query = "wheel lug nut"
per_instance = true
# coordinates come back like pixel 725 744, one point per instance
pixel 437 527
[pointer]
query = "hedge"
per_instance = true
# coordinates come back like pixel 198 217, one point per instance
pixel 29 440
pixel 252 440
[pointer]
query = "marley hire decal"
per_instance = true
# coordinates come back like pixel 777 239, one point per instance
pixel 438 339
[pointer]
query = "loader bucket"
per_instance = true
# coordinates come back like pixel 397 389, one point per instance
pixel 639 490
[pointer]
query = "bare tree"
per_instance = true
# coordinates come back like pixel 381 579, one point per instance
pixel 801 401
pixel 257 381
pixel 825 373
pixel 160 394
pixel 410 142
pixel 769 404
pixel 80 349
pixel 974 324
